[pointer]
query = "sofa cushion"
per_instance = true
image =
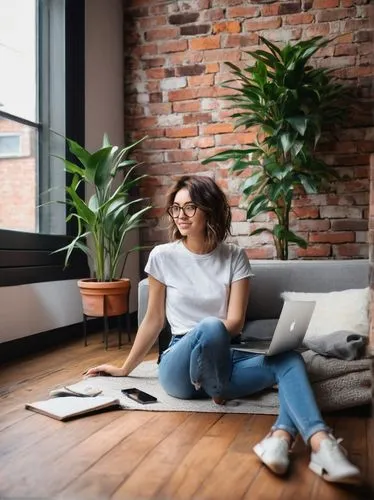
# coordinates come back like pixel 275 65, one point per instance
pixel 346 310
pixel 272 277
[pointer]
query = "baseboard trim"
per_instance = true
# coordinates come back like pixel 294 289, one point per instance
pixel 38 342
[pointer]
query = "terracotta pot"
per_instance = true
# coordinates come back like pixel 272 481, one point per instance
pixel 99 298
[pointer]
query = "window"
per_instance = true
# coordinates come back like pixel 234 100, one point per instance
pixel 41 102
pixel 10 144
pixel 32 110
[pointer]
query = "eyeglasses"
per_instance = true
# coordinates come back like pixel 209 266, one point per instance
pixel 189 210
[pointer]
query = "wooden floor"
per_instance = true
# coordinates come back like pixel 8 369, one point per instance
pixel 147 455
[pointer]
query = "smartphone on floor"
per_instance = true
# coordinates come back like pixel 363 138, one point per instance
pixel 139 396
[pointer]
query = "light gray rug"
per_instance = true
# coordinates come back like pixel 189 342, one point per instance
pixel 145 378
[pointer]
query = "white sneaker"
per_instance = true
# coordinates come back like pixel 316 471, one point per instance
pixel 273 451
pixel 330 462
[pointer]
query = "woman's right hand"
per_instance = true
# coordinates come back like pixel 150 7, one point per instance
pixel 105 369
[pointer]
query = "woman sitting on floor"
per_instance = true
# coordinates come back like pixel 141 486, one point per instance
pixel 201 285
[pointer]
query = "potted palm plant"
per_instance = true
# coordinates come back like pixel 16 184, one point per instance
pixel 290 104
pixel 103 221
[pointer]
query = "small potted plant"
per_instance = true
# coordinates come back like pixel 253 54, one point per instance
pixel 103 220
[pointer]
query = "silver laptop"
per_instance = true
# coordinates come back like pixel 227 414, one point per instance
pixel 289 332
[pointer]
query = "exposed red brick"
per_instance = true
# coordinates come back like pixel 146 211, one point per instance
pixel 186 106
pixel 235 138
pixel 346 237
pixel 349 225
pixel 334 14
pixel 289 8
pixel 159 144
pixel 241 11
pixel 184 18
pixel 350 250
pixel 304 18
pixel 262 24
pixel 181 132
pixel 190 70
pixel 192 30
pixel 205 142
pixel 314 251
pixel 317 30
pixel 197 118
pixel 212 68
pixel 241 40
pixel 204 80
pixel 179 155
pixel 305 212
pixel 217 128
pixel 205 43
pixel 345 49
pixel 325 4
pixel 161 34
pixel 270 10
pixel 264 252
pixel 229 27
pixel 172 46
pixel 182 94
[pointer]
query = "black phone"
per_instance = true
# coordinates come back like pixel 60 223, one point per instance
pixel 139 396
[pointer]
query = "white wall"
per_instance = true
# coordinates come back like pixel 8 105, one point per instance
pixel 45 306
pixel 38 307
pixel 104 95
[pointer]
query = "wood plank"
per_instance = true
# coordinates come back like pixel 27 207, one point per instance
pixel 169 452
pixel 197 466
pixel 107 475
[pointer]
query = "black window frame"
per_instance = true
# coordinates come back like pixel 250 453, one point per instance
pixel 27 257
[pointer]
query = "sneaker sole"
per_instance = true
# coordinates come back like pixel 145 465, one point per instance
pixel 273 466
pixel 331 479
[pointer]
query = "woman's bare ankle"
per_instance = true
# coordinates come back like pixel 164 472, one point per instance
pixel 281 433
pixel 316 439
pixel 218 400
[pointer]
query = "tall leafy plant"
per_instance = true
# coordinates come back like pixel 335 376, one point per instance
pixel 290 103
pixel 110 213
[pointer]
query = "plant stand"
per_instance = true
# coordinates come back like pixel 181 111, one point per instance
pixel 106 328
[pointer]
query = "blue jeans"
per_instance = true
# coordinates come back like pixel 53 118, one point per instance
pixel 202 363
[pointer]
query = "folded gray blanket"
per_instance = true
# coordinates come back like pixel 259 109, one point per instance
pixel 341 344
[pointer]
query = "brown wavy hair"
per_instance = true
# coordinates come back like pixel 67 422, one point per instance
pixel 210 198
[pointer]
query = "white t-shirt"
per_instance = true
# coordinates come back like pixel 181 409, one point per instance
pixel 197 285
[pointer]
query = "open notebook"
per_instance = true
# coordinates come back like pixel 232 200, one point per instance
pixel 69 407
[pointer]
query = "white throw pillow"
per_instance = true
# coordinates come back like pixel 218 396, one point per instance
pixel 347 310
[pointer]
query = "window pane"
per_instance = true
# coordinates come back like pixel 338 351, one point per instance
pixel 18 58
pixel 18 186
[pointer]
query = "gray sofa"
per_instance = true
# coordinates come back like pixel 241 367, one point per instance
pixel 272 277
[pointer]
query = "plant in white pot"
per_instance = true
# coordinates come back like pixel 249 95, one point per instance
pixel 103 221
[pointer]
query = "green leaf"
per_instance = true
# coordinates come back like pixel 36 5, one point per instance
pixel 78 151
pixel 287 140
pixel 260 230
pixel 293 238
pixel 298 123
pixel 252 181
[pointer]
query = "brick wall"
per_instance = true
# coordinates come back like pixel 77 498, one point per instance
pixel 175 53
pixel 18 181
